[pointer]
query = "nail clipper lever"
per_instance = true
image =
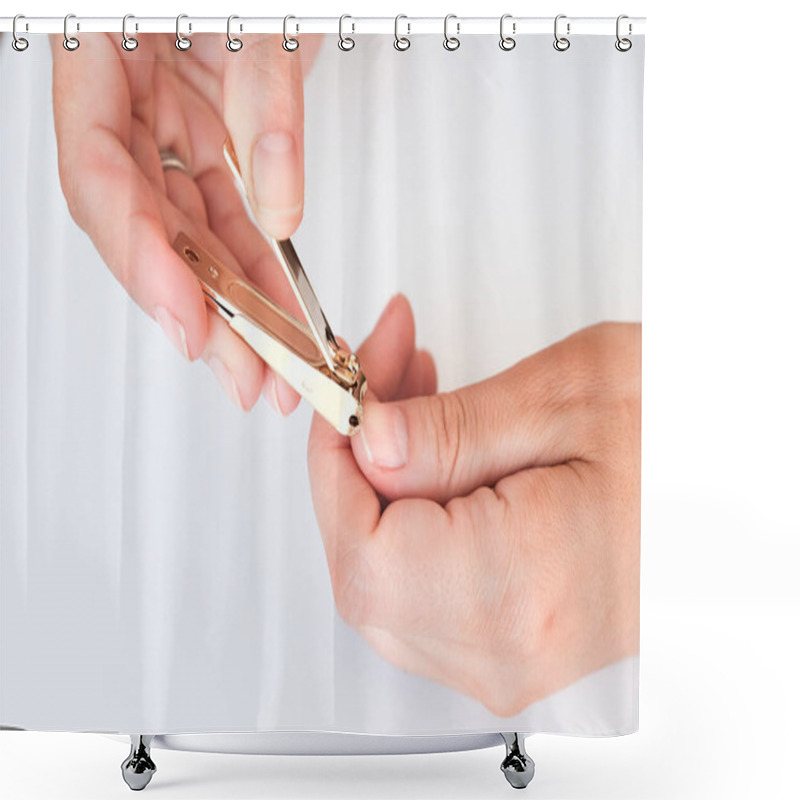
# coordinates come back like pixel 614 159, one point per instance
pixel 308 357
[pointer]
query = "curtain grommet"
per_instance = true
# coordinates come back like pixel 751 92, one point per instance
pixel 623 44
pixel 451 43
pixel 346 43
pixel 129 43
pixel 290 44
pixel 507 43
pixel 561 43
pixel 183 43
pixel 71 43
pixel 401 43
pixel 233 44
pixel 19 43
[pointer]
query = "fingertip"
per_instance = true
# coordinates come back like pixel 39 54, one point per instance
pixel 248 391
pixel 387 351
pixel 362 452
pixel 288 398
pixel 281 223
pixel 428 370
pixel 381 445
pixel 380 448
pixel 196 332
pixel 279 394
pixel 171 293
pixel 269 390
pixel 344 344
pixel 401 301
pixel 237 368
pixel 360 448
pixel 225 379
pixel 398 311
pixel 173 329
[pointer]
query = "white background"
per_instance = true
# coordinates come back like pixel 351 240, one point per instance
pixel 720 659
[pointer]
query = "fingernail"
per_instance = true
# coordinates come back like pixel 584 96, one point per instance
pixel 384 435
pixel 270 393
pixel 225 379
pixel 287 400
pixel 174 330
pixel 276 176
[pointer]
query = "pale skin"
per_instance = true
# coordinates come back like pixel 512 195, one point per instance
pixel 115 110
pixel 486 538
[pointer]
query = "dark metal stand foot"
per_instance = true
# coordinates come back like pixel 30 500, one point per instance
pixel 517 766
pixel 138 768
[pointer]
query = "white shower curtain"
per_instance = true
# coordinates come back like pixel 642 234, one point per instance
pixel 162 564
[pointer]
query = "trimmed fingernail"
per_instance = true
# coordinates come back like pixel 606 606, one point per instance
pixel 276 179
pixel 385 436
pixel 174 330
pixel 223 375
pixel 270 393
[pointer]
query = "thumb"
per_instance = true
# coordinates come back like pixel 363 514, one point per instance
pixel 447 445
pixel 263 109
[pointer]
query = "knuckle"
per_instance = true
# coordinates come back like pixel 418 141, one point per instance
pixel 348 583
pixel 450 423
pixel 72 190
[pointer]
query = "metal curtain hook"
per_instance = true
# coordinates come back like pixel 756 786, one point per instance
pixel 623 45
pixel 181 42
pixel 289 44
pixel 561 43
pixel 346 42
pixel 451 42
pixel 18 42
pixel 233 44
pixel 129 43
pixel 507 42
pixel 70 42
pixel 401 42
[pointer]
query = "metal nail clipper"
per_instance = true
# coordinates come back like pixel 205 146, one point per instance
pixel 307 357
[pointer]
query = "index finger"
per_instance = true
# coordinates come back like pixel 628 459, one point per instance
pixel 263 108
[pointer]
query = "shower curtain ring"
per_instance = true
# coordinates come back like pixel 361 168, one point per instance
pixel 561 43
pixel 129 43
pixel 289 44
pixel 19 43
pixel 401 42
pixel 233 44
pixel 622 44
pixel 507 42
pixel 70 42
pixel 181 41
pixel 346 43
pixel 451 42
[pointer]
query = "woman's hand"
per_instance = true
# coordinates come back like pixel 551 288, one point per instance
pixel 114 112
pixel 488 538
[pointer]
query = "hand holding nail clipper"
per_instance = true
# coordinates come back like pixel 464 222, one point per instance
pixel 309 358
pixel 137 171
